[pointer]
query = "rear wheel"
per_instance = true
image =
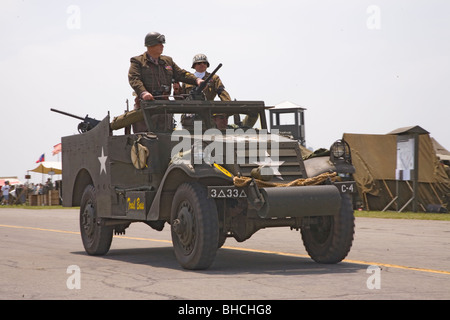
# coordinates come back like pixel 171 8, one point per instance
pixel 96 238
pixel 330 238
pixel 195 231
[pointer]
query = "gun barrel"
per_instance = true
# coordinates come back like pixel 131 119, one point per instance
pixel 214 72
pixel 204 83
pixel 67 114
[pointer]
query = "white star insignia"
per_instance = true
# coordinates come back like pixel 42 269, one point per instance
pixel 273 165
pixel 102 160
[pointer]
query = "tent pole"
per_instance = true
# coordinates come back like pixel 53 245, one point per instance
pixel 390 193
pixel 409 201
pixel 435 193
pixel 389 204
pixel 366 201
pixel 416 171
pixel 412 198
pixel 396 191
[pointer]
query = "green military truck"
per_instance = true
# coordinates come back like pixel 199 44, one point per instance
pixel 207 183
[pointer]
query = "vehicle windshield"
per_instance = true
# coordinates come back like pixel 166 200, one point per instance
pixel 166 116
pixel 221 121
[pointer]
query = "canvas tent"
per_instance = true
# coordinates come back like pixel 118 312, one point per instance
pixel 47 167
pixel 12 181
pixel 375 161
pixel 442 153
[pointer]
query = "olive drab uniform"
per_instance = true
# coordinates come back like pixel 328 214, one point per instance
pixel 156 77
pixel 214 88
pixel 147 75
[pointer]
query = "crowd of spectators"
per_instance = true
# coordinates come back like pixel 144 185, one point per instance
pixel 18 194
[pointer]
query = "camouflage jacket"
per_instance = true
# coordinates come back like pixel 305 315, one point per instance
pixel 214 88
pixel 145 75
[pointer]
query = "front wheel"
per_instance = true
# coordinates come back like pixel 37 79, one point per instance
pixel 195 230
pixel 329 239
pixel 96 238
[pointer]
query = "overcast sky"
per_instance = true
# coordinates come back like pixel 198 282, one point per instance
pixel 357 66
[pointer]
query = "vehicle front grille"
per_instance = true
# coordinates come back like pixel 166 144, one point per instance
pixel 288 166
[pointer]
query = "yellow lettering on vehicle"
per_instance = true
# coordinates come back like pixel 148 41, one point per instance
pixel 136 204
pixel 131 204
pixel 140 205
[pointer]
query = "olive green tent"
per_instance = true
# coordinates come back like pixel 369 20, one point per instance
pixel 375 160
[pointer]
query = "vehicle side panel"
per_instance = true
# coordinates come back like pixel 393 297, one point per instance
pixel 85 160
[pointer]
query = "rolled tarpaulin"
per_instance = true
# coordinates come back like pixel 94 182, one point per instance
pixel 127 119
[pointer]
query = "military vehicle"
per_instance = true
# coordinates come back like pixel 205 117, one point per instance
pixel 207 184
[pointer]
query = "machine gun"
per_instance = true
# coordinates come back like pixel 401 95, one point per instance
pixel 197 92
pixel 86 125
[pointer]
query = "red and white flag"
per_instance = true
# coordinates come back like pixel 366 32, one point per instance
pixel 56 149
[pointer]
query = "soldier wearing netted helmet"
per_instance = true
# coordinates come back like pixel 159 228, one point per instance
pixel 214 87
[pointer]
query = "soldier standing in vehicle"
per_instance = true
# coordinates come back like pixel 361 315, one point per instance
pixel 215 86
pixel 151 73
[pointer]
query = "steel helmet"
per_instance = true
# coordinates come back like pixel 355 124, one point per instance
pixel 154 38
pixel 199 58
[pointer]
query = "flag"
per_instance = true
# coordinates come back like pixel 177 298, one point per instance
pixel 41 158
pixel 56 149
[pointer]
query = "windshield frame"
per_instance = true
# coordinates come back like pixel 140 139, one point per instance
pixel 204 109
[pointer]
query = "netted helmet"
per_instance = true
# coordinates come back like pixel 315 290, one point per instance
pixel 154 38
pixel 199 58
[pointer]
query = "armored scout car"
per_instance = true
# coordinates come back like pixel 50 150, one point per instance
pixel 207 184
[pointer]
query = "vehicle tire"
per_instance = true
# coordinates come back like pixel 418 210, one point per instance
pixel 222 239
pixel 222 235
pixel 330 240
pixel 194 227
pixel 96 238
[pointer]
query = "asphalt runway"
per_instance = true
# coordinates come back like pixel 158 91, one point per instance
pixel 42 257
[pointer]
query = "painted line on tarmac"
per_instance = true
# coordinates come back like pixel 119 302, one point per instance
pixel 387 265
pixel 345 260
pixel 39 229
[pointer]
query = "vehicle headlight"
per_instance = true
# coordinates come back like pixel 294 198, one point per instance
pixel 340 150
